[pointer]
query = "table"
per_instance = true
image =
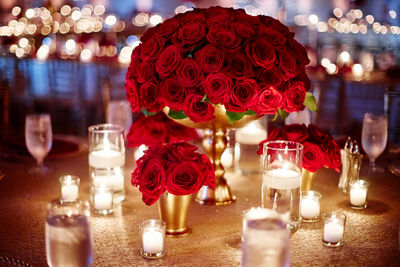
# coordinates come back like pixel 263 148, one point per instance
pixel 371 236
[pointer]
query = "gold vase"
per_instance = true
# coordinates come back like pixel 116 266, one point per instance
pixel 173 211
pixel 307 180
pixel 215 141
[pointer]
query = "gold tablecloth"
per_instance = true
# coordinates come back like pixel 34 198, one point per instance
pixel 371 235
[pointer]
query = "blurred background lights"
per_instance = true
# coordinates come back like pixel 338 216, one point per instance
pixel 392 14
pixel 47 41
pixel 65 10
pixel 43 53
pixel 345 57
pixel 86 55
pixel 99 10
pixel 125 55
pixel 141 19
pixel 155 19
pixel 338 12
pixel 331 69
pixel 76 15
pixel 370 19
pixel 325 62
pixel 16 11
pixel 110 20
pixel 313 19
pixel 29 13
pixel 23 42
pixel 357 70
pixel 70 44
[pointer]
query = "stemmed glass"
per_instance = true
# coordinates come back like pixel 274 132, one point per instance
pixel 38 139
pixel 374 138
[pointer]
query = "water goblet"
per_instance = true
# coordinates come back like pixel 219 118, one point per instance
pixel 373 139
pixel 38 139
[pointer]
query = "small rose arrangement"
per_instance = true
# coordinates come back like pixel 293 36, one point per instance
pixel 176 168
pixel 157 130
pixel 196 60
pixel 320 150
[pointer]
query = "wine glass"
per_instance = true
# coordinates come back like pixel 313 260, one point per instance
pixel 38 139
pixel 373 138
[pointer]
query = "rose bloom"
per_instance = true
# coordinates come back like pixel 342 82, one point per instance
pixel 288 64
pixel 239 67
pixel 223 38
pixel 244 30
pixel 209 59
pixel 145 72
pixel 165 29
pixel 151 49
pixel 295 96
pixel 179 133
pixel 184 178
pixel 173 93
pixel 150 179
pixel 261 53
pixel 296 132
pixel 272 76
pixel 149 96
pixel 244 95
pixel 192 18
pixel 189 73
pixel 217 87
pixel 313 157
pixel 197 110
pixel 190 35
pixel 274 37
pixel 269 100
pixel 168 61
pixel 132 95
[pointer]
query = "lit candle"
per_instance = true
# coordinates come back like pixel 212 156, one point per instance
pixel 106 159
pixel 309 208
pixel 153 241
pixel 69 192
pixel 117 181
pixel 103 199
pixel 252 134
pixel 333 231
pixel 358 193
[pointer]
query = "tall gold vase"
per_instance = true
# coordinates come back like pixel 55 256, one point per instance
pixel 215 141
pixel 307 180
pixel 173 211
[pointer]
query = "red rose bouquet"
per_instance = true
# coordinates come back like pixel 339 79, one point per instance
pixel 158 130
pixel 320 150
pixel 176 168
pixel 193 61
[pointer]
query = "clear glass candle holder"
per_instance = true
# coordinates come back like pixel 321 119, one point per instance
pixel 333 229
pixel 310 206
pixel 107 157
pixel 255 213
pixel 358 194
pixel 69 186
pixel 102 198
pixel 152 236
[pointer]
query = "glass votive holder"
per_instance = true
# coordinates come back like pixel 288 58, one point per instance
pixel 152 235
pixel 309 206
pixel 69 185
pixel 358 194
pixel 333 229
pixel 255 213
pixel 102 198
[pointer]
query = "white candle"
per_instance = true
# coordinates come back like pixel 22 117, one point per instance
pixel 333 232
pixel 106 159
pixel 103 200
pixel 69 192
pixel 309 208
pixel 282 179
pixel 358 196
pixel 117 181
pixel 252 134
pixel 153 241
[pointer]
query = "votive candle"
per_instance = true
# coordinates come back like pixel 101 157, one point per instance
pixel 102 198
pixel 309 206
pixel 358 194
pixel 69 187
pixel 152 234
pixel 333 229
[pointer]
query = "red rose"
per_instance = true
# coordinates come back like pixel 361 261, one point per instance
pixel 239 67
pixel 150 179
pixel 193 18
pixel 220 19
pixel 151 49
pixel 288 65
pixel 244 30
pixel 189 73
pixel 209 58
pixel 223 38
pixel 149 34
pixel 168 61
pixel 274 37
pixel 295 96
pixel 215 11
pixel 190 35
pixel 145 72
pixel 313 157
pixel 277 25
pixel 167 28
pixel 132 95
pixel 184 179
pixel 197 110
pixel 150 97
pixel 269 100
pixel 273 135
pixel 296 132
pixel 179 133
pixel 317 135
pixel 334 159
pixel 244 95
pixel 261 53
pixel 173 93
pixel 270 77
pixel 300 51
pixel 208 172
pixel 217 87
pixel 244 18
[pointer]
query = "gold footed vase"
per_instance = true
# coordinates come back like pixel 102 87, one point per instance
pixel 214 142
pixel 307 180
pixel 173 211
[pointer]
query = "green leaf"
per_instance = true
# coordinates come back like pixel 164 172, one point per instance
pixel 177 115
pixel 206 99
pixel 145 112
pixel 275 116
pixel 310 102
pixel 234 116
pixel 283 114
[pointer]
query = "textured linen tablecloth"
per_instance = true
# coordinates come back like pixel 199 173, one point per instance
pixel 371 235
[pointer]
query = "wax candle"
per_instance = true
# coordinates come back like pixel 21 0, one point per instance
pixel 106 158
pixel 358 194
pixel 117 181
pixel 153 241
pixel 103 198
pixel 69 192
pixel 333 231
pixel 309 208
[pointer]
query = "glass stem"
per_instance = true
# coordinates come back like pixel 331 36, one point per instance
pixel 372 164
pixel 39 163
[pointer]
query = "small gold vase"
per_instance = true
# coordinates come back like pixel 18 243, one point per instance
pixel 307 180
pixel 173 211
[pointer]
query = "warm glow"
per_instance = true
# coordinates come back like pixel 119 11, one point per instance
pixel 110 20
pixel 322 26
pixel 43 53
pixel 338 12
pixel 99 10
pixel 358 13
pixel 141 19
pixel 384 30
pixel 345 56
pixel 76 15
pixel 155 19
pixel 125 55
pixel 15 11
pixel 357 70
pixel 45 14
pixel 45 30
pixel 313 19
pixel 370 19
pixel 325 62
pixel 86 55
pixel 181 9
pixel 86 12
pixel 13 48
pixel 65 10
pixel 70 44
pixel 23 42
pixel 363 29
pixel 19 52
pixel 392 14
pixel 29 13
pixel 64 28
pixel 331 69
pixel 300 20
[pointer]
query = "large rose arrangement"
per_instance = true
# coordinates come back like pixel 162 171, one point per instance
pixel 193 61
pixel 157 130
pixel 176 168
pixel 320 149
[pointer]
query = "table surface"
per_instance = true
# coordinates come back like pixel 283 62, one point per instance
pixel 371 235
